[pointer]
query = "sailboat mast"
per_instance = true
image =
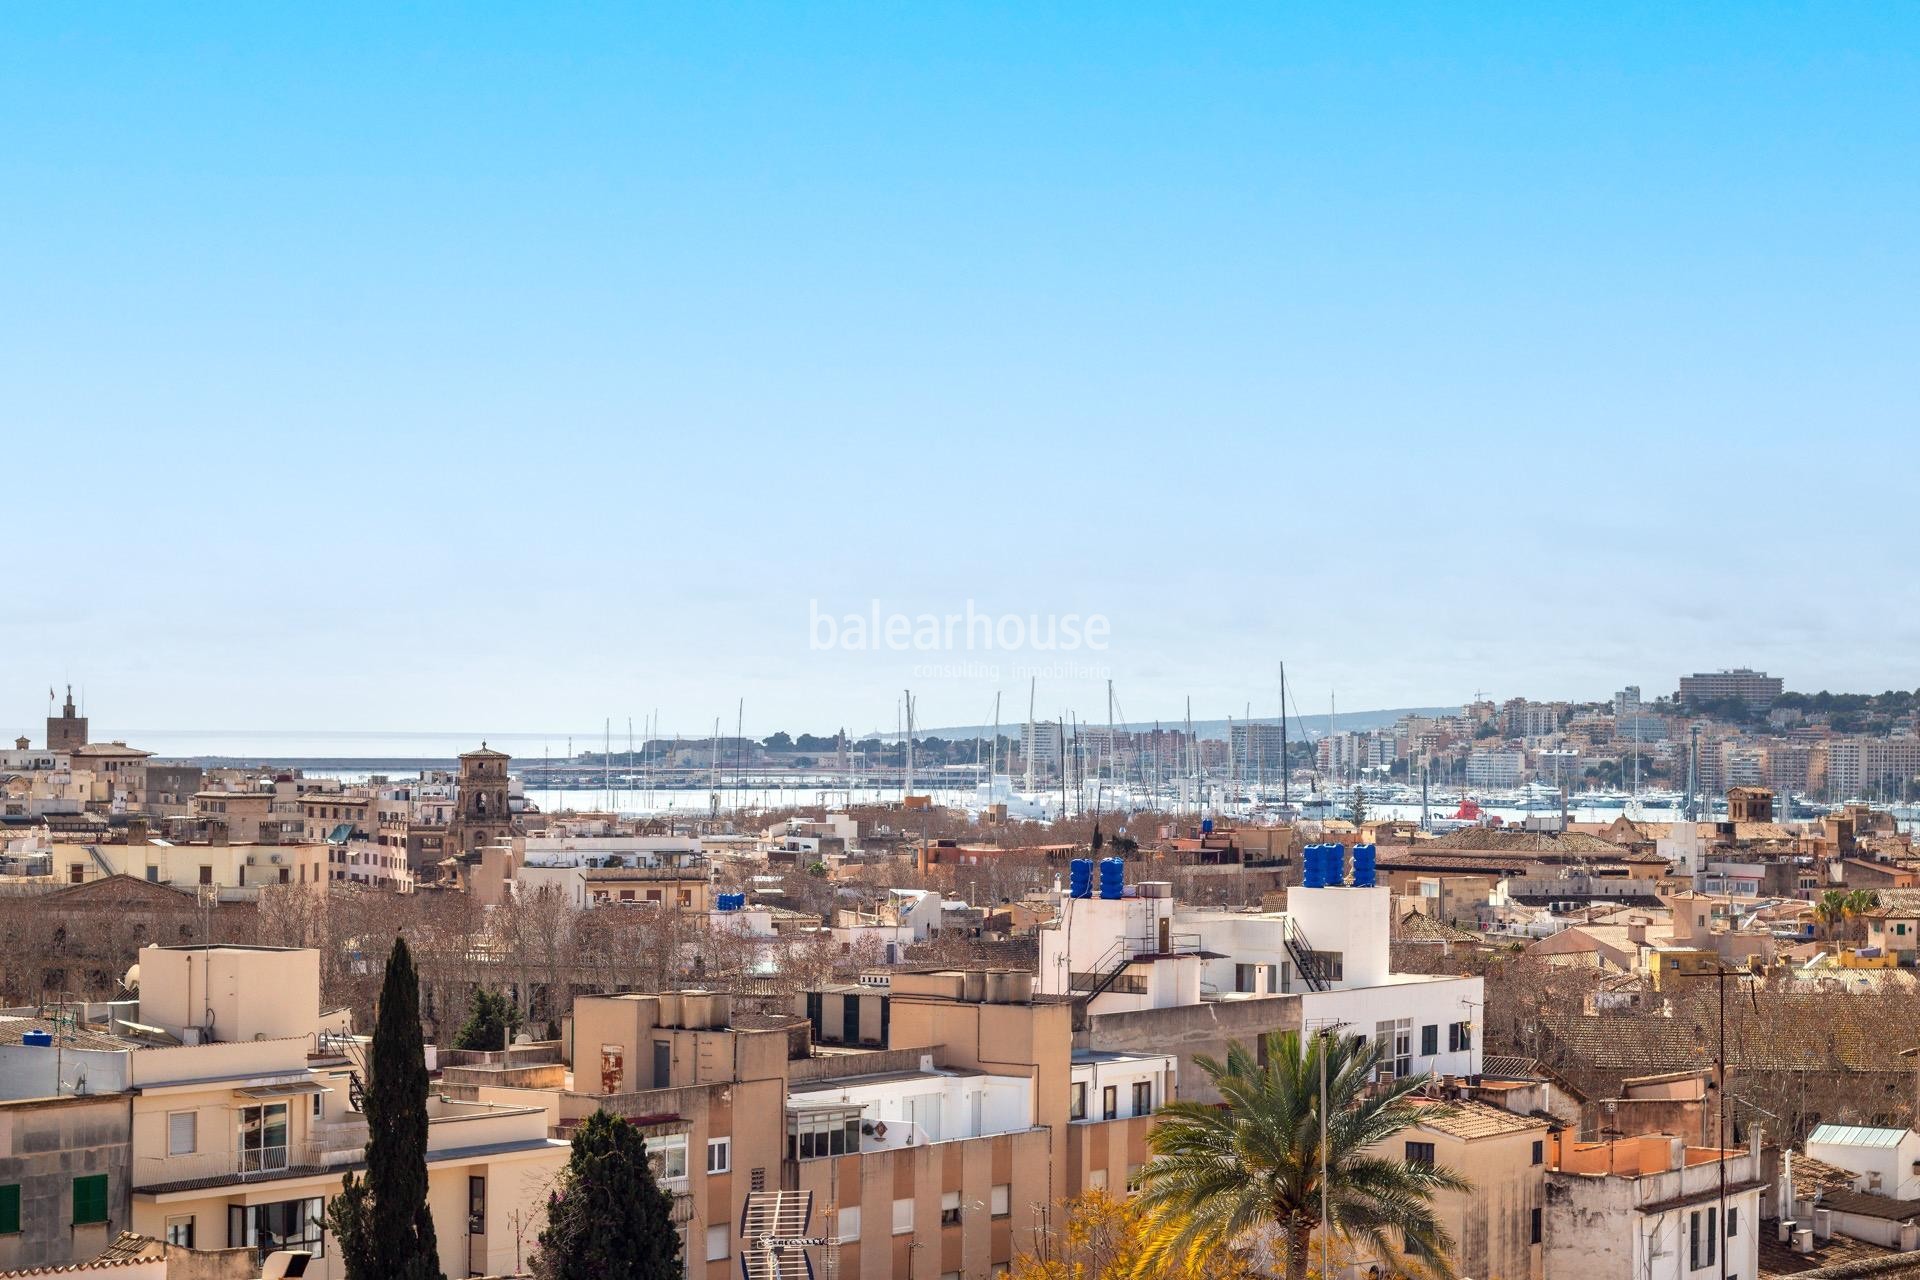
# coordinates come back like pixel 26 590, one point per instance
pixel 1033 740
pixel 1285 766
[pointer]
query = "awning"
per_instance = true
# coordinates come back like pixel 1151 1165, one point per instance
pixel 282 1090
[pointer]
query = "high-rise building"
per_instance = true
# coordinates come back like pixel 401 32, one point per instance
pixel 1041 742
pixel 1256 748
pixel 1755 688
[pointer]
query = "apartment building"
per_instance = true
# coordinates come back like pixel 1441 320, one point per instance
pixel 231 872
pixel 64 1160
pixel 237 1099
pixel 1756 688
pixel 1042 744
pixel 1146 975
pixel 606 870
pixel 250 817
pixel 1651 1207
pixel 1496 769
pixel 1498 1225
pixel 935 1115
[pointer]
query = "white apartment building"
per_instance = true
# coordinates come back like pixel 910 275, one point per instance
pixel 1042 743
pixel 1494 769
pixel 1144 966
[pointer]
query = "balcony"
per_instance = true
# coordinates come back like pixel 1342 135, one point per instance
pixel 239 1165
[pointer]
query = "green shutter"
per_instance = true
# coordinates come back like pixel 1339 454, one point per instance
pixel 90 1199
pixel 10 1209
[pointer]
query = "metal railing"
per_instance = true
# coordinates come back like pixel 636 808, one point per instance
pixel 241 1164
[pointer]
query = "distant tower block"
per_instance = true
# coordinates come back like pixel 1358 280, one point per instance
pixel 68 729
pixel 482 816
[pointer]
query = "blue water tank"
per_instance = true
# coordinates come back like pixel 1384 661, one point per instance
pixel 1313 874
pixel 1113 878
pixel 1080 878
pixel 37 1038
pixel 1336 865
pixel 1206 826
pixel 1363 875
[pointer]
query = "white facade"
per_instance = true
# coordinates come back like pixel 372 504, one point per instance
pixel 1120 1086
pixel 1881 1160
pixel 909 1109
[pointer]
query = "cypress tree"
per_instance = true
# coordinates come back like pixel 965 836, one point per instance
pixel 382 1222
pixel 609 1220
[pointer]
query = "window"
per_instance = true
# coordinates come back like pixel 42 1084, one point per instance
pixel 316 1106
pixel 1143 1098
pixel 719 1155
pixel 181 1126
pixel 1077 1110
pixel 1459 1037
pixel 1533 1229
pixel 1097 1180
pixel 180 1231
pixel 668 1156
pixel 476 1204
pixel 90 1199
pixel 1539 1151
pixel 949 1208
pixel 206 875
pixel 1001 1203
pixel 10 1209
pixel 1430 1039
pixel 813 1134
pixel 903 1216
pixel 1395 1040
pixel 153 874
pixel 1702 1227
pixel 1733 1221
pixel 717 1242
pixel 848 1226
pixel 1243 979
pixel 1110 1102
pixel 288 1224
pixel 1420 1153
pixel 263 1137
pixel 1133 1178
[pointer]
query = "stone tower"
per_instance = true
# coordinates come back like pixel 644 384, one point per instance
pixel 67 730
pixel 482 815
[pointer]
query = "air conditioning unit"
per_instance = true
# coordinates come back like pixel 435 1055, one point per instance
pixel 274 858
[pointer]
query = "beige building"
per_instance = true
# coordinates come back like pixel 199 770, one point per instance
pixel 235 872
pixel 936 1152
pixel 241 1132
pixel 1498 1225
pixel 250 817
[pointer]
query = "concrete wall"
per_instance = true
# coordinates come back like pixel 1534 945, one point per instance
pixel 1190 1030
pixel 27 1071
pixel 248 992
pixel 44 1145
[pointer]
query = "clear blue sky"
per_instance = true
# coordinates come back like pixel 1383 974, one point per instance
pixel 489 368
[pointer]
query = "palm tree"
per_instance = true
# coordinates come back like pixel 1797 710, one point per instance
pixel 1831 909
pixel 1222 1174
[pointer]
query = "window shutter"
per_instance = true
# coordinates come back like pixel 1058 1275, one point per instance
pixel 180 1133
pixel 9 1209
pixel 90 1199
